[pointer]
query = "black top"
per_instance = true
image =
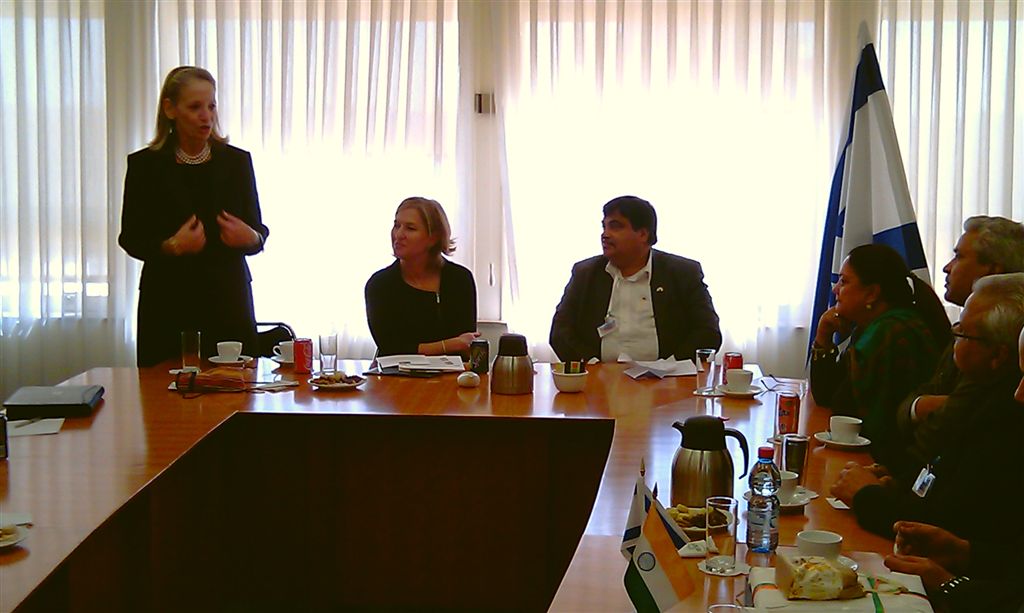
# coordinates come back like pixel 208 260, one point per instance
pixel 401 316
pixel 683 312
pixel 209 291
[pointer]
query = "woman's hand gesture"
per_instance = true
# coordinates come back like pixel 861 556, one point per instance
pixel 190 238
pixel 236 233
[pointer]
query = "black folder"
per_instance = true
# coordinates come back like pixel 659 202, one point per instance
pixel 53 401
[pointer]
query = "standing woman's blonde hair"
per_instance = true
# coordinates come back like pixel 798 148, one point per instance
pixel 435 220
pixel 176 80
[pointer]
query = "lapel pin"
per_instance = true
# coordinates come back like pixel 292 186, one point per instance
pixel 660 289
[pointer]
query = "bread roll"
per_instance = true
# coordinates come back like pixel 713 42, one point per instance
pixel 815 578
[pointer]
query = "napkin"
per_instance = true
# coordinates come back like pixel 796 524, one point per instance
pixel 767 596
pixel 696 549
pixel 30 427
pixel 837 504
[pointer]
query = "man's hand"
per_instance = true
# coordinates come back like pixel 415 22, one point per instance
pixel 943 547
pixel 236 233
pixel 853 478
pixel 190 238
pixel 932 575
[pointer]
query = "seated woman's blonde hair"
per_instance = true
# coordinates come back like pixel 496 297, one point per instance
pixel 435 220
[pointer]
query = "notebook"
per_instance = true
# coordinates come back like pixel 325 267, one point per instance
pixel 53 401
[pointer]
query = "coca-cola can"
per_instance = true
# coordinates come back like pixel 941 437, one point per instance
pixel 732 359
pixel 788 420
pixel 303 355
pixel 479 356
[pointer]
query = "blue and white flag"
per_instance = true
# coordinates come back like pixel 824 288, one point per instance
pixel 869 201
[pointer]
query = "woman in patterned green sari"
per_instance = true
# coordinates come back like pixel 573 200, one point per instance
pixel 897 328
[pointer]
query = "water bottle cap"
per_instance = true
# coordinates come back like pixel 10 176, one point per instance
pixel 765 452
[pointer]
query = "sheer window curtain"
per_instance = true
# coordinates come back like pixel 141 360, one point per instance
pixel 715 112
pixel 62 299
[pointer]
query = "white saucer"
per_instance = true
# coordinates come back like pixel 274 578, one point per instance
pixel 750 392
pixel 242 359
pixel 21 535
pixel 741 568
pixel 800 499
pixel 281 360
pixel 825 437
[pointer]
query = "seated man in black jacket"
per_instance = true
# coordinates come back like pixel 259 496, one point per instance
pixel 950 490
pixel 633 299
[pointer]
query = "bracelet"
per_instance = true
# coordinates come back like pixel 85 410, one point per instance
pixel 818 353
pixel 443 349
pixel 951 586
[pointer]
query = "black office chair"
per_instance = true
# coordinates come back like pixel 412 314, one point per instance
pixel 278 332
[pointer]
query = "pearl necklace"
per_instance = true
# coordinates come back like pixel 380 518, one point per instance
pixel 199 158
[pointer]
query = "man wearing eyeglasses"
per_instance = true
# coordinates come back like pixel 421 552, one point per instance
pixel 950 489
pixel 930 417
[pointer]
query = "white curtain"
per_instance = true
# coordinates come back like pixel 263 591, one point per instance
pixel 713 111
pixel 726 115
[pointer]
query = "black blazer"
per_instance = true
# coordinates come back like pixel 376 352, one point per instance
pixel 210 290
pixel 683 312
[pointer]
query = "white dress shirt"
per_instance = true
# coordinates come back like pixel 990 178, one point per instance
pixel 636 333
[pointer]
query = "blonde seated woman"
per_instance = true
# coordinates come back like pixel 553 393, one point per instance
pixel 423 303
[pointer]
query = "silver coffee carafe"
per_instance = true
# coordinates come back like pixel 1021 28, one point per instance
pixel 702 466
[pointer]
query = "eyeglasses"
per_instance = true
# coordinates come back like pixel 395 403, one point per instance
pixel 957 331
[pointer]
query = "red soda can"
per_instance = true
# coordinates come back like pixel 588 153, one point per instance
pixel 788 412
pixel 303 355
pixel 732 359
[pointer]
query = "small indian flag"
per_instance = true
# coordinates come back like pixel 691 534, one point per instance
pixel 656 578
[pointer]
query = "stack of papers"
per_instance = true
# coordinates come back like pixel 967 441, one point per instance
pixel 412 363
pixel 668 367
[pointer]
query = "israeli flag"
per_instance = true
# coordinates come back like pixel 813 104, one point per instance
pixel 869 201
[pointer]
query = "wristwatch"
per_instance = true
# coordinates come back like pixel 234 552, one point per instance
pixel 818 353
pixel 948 588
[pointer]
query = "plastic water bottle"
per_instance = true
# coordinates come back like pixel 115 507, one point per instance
pixel 764 505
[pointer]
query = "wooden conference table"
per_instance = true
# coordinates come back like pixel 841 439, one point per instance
pixel 131 504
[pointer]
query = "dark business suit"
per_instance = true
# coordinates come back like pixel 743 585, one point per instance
pixel 683 312
pixel 210 290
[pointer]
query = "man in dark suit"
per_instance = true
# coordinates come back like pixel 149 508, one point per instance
pixel 632 299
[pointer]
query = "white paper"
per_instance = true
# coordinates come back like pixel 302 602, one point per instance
pixel 422 362
pixel 7 518
pixel 30 427
pixel 837 504
pixel 669 367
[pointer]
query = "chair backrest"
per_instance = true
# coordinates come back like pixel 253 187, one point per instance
pixel 268 339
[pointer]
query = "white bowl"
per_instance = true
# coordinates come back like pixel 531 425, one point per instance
pixel 573 382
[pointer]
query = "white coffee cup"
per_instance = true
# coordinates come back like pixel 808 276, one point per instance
pixel 843 429
pixel 285 350
pixel 788 489
pixel 229 350
pixel 739 379
pixel 819 543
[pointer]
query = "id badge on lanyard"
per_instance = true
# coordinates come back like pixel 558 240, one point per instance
pixel 925 479
pixel 609 325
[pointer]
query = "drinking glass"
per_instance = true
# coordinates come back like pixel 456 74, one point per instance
pixel 190 353
pixel 722 533
pixel 328 352
pixel 705 362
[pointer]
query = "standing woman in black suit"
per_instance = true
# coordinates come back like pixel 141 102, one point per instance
pixel 191 214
